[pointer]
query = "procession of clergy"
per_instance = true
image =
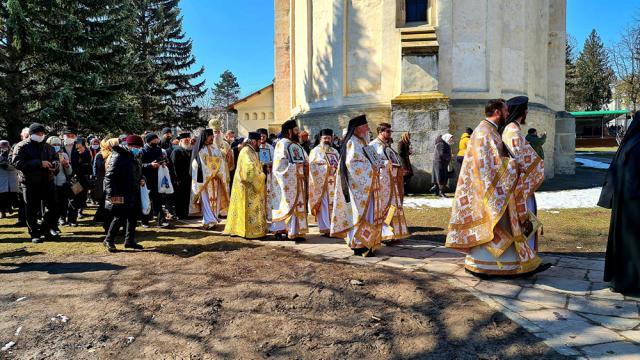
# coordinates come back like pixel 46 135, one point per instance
pixel 357 193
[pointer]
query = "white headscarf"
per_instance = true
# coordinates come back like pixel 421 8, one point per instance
pixel 447 137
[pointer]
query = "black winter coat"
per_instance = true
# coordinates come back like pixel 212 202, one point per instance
pixel 28 156
pixel 121 181
pixel 149 155
pixel 81 165
pixel 441 160
pixel 621 194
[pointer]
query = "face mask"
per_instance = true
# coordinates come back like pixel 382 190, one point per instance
pixel 56 148
pixel 95 147
pixel 37 138
pixel 136 151
pixel 69 141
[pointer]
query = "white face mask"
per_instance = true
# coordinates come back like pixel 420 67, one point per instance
pixel 69 141
pixel 37 138
pixel 95 147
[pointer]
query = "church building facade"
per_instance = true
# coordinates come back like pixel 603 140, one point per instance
pixel 426 66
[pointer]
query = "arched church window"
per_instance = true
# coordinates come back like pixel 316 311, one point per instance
pixel 416 11
pixel 270 116
pixel 263 116
pixel 246 116
pixel 255 116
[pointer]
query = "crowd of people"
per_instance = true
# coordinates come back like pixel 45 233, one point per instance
pixel 266 184
pixel 262 183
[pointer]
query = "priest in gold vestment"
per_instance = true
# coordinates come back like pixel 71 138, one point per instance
pixel 247 216
pixel 323 163
pixel 391 186
pixel 485 222
pixel 209 185
pixel 358 211
pixel 288 185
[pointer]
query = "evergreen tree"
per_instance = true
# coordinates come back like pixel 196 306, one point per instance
pixel 572 97
pixel 18 85
pixel 88 62
pixel 225 92
pixel 165 90
pixel 594 76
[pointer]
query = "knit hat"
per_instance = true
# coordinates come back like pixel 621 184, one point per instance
pixel 135 140
pixel 150 137
pixel 166 131
pixel 36 128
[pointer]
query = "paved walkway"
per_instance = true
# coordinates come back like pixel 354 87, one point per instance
pixel 568 305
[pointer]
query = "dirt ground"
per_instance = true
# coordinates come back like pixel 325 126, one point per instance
pixel 224 299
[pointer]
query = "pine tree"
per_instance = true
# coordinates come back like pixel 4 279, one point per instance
pixel 572 97
pixel 225 92
pixel 165 91
pixel 88 64
pixel 18 86
pixel 594 76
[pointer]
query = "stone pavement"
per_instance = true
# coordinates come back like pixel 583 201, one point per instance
pixel 568 305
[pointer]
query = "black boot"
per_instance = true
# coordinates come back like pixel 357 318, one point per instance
pixel 133 245
pixel 111 247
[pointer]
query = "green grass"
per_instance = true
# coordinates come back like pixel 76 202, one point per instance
pixel 568 231
pixel 598 149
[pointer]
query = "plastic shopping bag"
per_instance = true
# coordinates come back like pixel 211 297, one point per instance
pixel 144 199
pixel 164 180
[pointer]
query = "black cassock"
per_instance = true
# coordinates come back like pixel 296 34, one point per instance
pixel 621 194
pixel 181 160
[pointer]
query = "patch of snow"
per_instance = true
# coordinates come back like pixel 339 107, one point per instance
pixel 565 199
pixel 592 163
pixel 8 346
pixel 18 330
pixel 130 339
pixel 21 299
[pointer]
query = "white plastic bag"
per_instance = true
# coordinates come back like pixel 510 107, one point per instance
pixel 144 199
pixel 164 180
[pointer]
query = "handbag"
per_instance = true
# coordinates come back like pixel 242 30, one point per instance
pixel 76 187
pixel 164 181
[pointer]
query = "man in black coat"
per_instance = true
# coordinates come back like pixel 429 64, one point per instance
pixel 181 160
pixel 122 182
pixel 621 194
pixel 153 156
pixel 81 166
pixel 37 163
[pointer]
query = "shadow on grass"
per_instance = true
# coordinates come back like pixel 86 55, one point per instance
pixel 60 268
pixel 18 253
pixel 189 250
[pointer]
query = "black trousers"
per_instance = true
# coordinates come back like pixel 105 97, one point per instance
pixel 62 201
pixel 157 202
pixel 182 197
pixel 122 218
pixel 76 203
pixel 36 198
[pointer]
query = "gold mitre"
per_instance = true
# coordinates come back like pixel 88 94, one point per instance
pixel 215 123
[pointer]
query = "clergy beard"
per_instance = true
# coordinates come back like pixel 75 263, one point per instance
pixel 186 146
pixel 217 140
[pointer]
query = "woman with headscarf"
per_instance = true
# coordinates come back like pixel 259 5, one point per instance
pixel 404 151
pixel 621 194
pixel 441 161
